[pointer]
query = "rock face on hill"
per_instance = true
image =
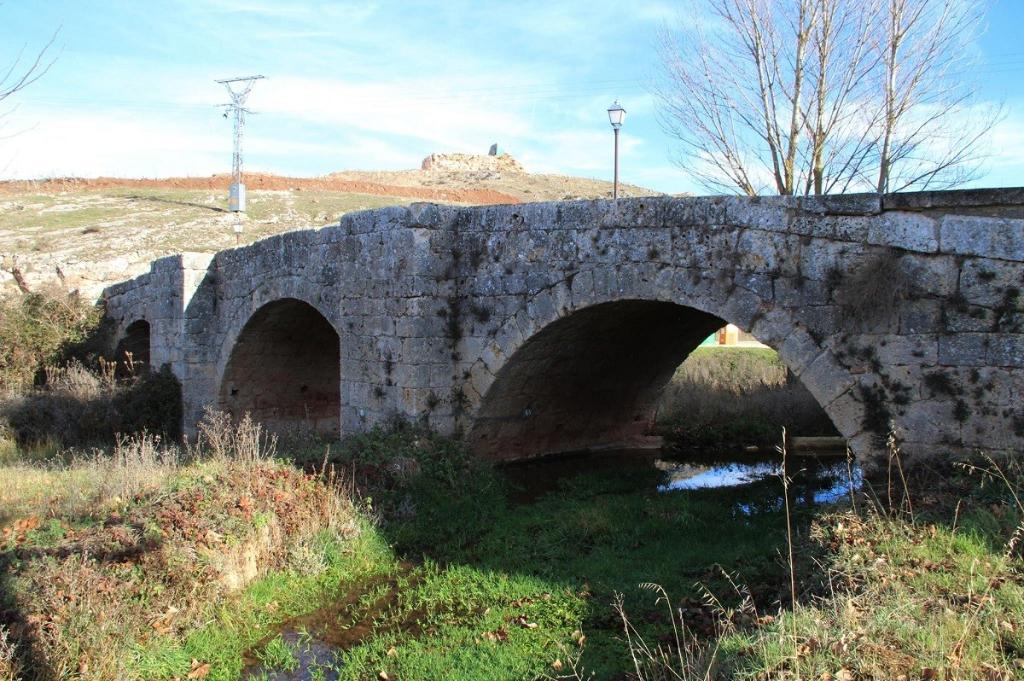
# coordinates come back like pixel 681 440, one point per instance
pixel 472 163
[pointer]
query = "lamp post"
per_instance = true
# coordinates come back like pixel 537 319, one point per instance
pixel 616 116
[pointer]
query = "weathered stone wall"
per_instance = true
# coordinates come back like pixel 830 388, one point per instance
pixel 540 327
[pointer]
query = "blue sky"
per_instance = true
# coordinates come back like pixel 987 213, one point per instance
pixel 375 86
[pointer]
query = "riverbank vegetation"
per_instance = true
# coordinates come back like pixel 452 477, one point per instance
pixel 229 558
pixel 59 387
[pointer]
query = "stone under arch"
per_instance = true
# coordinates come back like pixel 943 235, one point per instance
pixel 593 377
pixel 284 370
pixel 133 351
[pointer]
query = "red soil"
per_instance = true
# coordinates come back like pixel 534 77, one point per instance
pixel 259 181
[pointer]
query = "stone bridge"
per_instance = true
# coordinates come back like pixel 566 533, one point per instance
pixel 548 327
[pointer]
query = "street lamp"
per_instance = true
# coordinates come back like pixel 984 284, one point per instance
pixel 616 116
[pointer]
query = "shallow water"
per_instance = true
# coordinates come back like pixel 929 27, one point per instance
pixel 316 639
pixel 310 654
pixel 815 479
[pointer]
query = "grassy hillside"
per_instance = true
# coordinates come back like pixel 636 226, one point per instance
pixel 97 232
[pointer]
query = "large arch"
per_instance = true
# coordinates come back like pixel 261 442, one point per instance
pixel 591 378
pixel 284 369
pixel 589 370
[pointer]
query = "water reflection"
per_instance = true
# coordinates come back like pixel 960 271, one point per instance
pixel 694 476
pixel 311 660
pixel 814 479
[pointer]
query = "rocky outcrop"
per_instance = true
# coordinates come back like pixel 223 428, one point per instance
pixel 472 163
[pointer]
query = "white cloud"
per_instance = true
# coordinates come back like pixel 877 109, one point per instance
pixel 104 144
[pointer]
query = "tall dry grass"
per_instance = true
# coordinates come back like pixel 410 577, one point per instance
pixel 78 406
pixel 10 667
pixel 86 484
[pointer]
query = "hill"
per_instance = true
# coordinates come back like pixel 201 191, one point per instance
pixel 94 232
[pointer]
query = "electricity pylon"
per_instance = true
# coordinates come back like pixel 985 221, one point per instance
pixel 239 93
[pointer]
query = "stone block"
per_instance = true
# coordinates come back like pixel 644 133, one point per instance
pixel 742 308
pixel 987 237
pixel 684 212
pixel 990 432
pixel 922 317
pixel 988 282
pixel 930 275
pixel 1006 350
pixel 847 414
pixel 796 292
pixel 826 379
pixel 822 320
pixel 841 204
pixel 819 258
pixel 798 350
pixel 704 246
pixel 761 285
pixel 773 326
pixel 895 349
pixel 929 421
pixel 766 214
pixel 964 349
pixel 762 251
pixel 909 231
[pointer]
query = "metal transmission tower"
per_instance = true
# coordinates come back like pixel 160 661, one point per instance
pixel 239 89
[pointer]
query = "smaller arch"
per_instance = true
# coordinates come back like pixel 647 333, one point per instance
pixel 133 351
pixel 284 370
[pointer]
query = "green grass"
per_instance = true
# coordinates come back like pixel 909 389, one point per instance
pixel 451 576
pixel 501 590
pixel 925 598
pixel 278 655
pixel 242 622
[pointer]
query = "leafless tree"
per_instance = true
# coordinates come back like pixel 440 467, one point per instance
pixel 26 68
pixel 825 96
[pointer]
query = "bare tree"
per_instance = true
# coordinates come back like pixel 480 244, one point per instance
pixel 24 70
pixel 825 96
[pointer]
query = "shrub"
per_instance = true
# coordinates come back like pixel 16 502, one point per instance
pixel 45 328
pixel 77 408
pixel 57 388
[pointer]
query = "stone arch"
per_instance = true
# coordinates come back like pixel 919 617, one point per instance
pixel 284 369
pixel 590 371
pixel 133 350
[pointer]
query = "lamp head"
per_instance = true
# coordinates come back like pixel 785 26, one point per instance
pixel 616 115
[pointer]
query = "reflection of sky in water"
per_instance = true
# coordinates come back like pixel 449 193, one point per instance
pixel 727 475
pixel 831 482
pixel 314 661
pixel 840 488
